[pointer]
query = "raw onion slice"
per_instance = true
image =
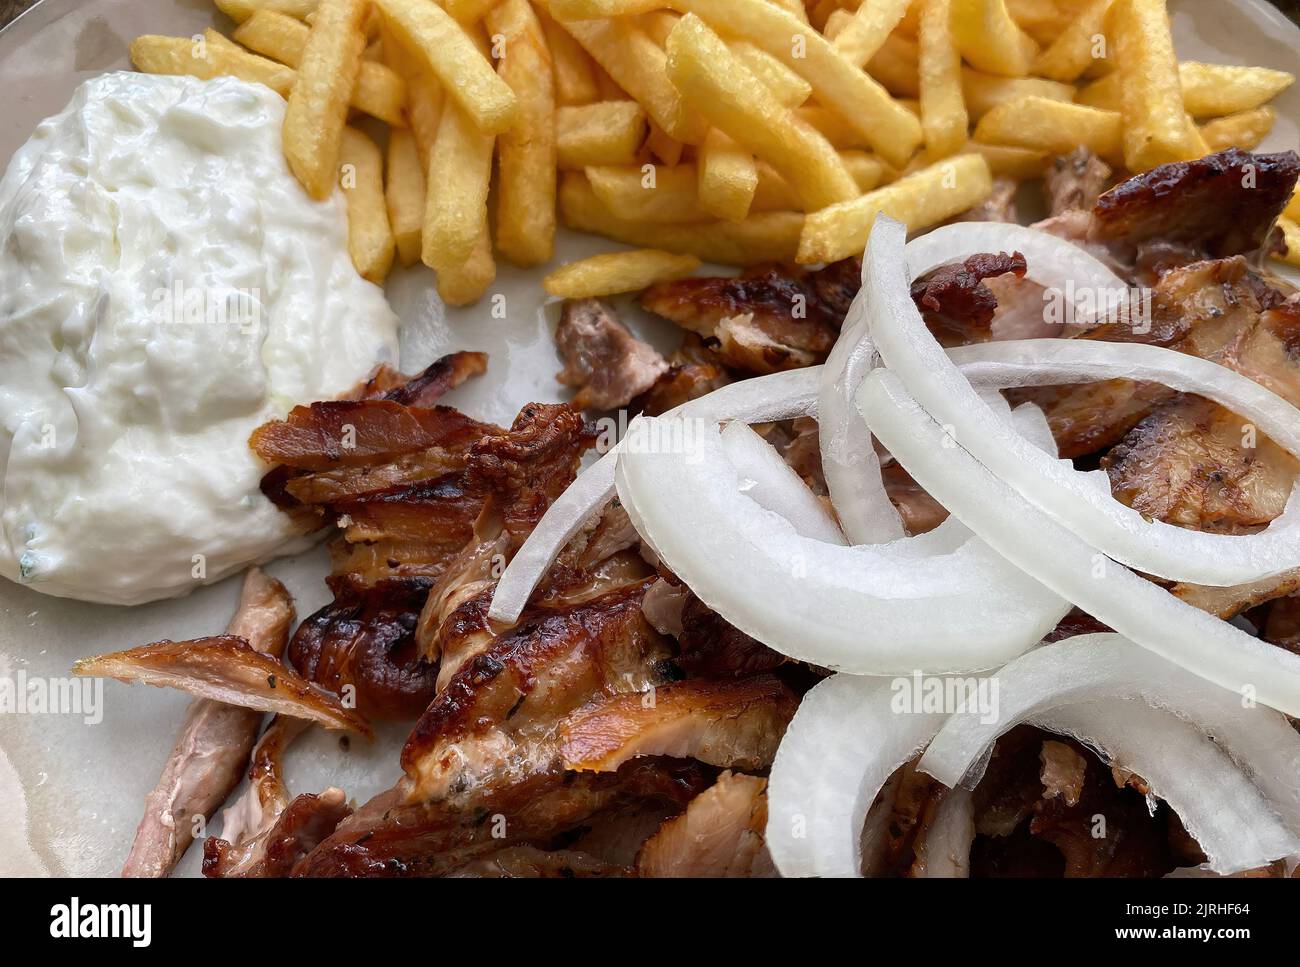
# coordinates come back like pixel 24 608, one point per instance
pixel 869 609
pixel 1174 553
pixel 841 747
pixel 1033 541
pixel 773 484
pixel 849 459
pixel 780 396
pixel 1052 362
pixel 944 850
pixel 1218 806
pixel 1099 667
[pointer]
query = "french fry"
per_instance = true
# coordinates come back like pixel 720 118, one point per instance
pixel 241 10
pixel 943 110
pixel 317 109
pixel 638 65
pixel 658 144
pixel 1042 124
pixel 1212 90
pixel 468 12
pixel 526 154
pixel 1209 90
pixel 1042 19
pixel 789 88
pixel 1290 241
pixel 766 237
pixel 370 238
pixel 775 194
pixel 460 168
pixel 424 95
pixel 451 55
pixel 920 200
pixel 865 31
pixel 658 24
pixel 897 66
pixel 464 284
pixel 728 177
pixel 983 92
pixel 667 194
pixel 604 133
pixel 596 9
pixel 575 78
pixel 990 40
pixel 831 127
pixel 380 92
pixel 1156 129
pixel 1077 47
pixel 713 81
pixel 1006 161
pixel 1244 130
pixel 404 193
pixel 154 54
pixel 838 84
pixel 613 273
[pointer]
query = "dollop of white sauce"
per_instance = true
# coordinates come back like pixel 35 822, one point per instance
pixel 165 287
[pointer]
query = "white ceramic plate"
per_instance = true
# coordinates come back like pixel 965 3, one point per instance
pixel 70 792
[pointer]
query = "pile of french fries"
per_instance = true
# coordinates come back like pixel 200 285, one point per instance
pixel 733 131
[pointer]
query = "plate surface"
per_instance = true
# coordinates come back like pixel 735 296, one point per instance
pixel 70 792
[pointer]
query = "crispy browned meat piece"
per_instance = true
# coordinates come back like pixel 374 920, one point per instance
pixel 1201 309
pixel 714 648
pixel 302 826
pixel 1074 181
pixel 1223 204
pixel 1282 626
pixel 768 319
pixel 605 363
pixel 1000 206
pixel 734 724
pixel 209 754
pixel 363 643
pixel 920 511
pixel 439 378
pixel 350 433
pixel 694 371
pixel 394 836
pixel 1076 623
pixel 957 305
pixel 529 862
pixel 1234 600
pixel 1063 772
pixel 1185 464
pixel 719 835
pixel 1024 832
pixel 226 669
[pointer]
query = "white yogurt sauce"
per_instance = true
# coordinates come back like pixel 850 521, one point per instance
pixel 165 287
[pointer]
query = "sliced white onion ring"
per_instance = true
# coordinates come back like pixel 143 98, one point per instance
pixel 1218 806
pixel 840 748
pixel 780 396
pixel 944 850
pixel 1033 541
pixel 773 484
pixel 1099 667
pixel 911 353
pixel 870 609
pixel 849 459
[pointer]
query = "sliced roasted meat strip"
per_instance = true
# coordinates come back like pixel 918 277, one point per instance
pixel 719 835
pixel 712 647
pixel 227 669
pixel 693 371
pixel 209 754
pixel 733 724
pixel 362 644
pixel 302 826
pixel 956 304
pixel 1282 625
pixel 1074 181
pixel 424 388
pixel 999 206
pixel 768 319
pixel 394 835
pixel 605 363
pixel 1223 204
pixel 529 862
